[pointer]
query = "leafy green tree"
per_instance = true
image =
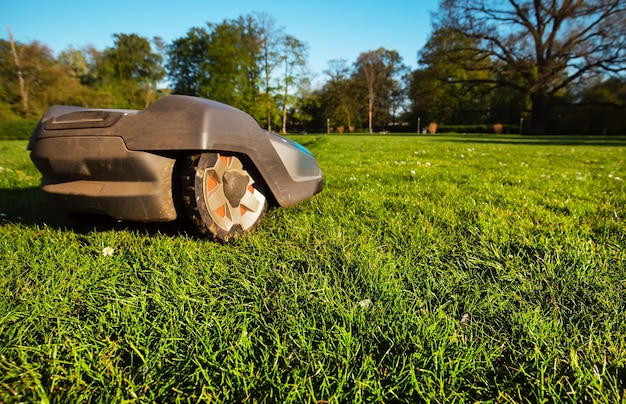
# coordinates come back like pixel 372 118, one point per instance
pixel 236 62
pixel 341 94
pixel 219 62
pixel 311 109
pixel 131 70
pixel 293 58
pixel 447 88
pixel 539 48
pixel 234 72
pixel 378 72
pixel 92 56
pixel 300 111
pixel 45 81
pixel 9 88
pixel 188 63
pixel 272 52
pixel 82 65
pixel 76 61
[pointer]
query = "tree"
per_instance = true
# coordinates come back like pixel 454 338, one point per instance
pixel 76 61
pixel 19 74
pixel 220 63
pixel 234 72
pixel 300 114
pixel 598 108
pixel 188 59
pixel 311 110
pixel 539 47
pixel 377 72
pixel 294 55
pixel 235 62
pixel 44 81
pixel 270 39
pixel 131 69
pixel 340 95
pixel 446 88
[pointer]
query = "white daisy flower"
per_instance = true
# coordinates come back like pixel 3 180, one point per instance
pixel 365 303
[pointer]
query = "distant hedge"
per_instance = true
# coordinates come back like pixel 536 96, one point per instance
pixel 461 129
pixel 509 129
pixel 17 129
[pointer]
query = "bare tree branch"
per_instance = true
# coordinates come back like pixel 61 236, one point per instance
pixel 548 44
pixel 20 76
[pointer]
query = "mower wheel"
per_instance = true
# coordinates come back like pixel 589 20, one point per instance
pixel 221 197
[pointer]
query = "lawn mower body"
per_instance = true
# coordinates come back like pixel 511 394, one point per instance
pixel 125 163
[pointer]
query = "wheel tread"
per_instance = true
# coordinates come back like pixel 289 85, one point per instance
pixel 197 213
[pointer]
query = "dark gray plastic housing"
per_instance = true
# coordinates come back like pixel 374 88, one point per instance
pixel 123 162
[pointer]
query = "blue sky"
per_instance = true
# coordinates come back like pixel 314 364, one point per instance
pixel 339 29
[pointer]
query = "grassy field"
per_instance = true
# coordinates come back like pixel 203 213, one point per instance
pixel 433 268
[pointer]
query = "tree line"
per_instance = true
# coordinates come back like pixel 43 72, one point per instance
pixel 524 66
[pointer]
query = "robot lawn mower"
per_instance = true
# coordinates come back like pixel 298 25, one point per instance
pixel 182 156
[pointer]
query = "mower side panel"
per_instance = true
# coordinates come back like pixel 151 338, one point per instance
pixel 189 123
pixel 100 175
pixel 178 125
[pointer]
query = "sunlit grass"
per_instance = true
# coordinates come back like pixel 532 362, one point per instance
pixel 441 268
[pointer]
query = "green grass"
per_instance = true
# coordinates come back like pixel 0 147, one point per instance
pixel 432 268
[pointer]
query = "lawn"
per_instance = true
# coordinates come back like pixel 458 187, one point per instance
pixel 443 268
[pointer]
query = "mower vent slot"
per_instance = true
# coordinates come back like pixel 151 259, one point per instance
pixel 84 119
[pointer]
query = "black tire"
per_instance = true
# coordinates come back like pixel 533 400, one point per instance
pixel 220 195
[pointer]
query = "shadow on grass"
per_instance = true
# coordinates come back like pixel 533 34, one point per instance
pixel 617 141
pixel 29 206
pixel 545 140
